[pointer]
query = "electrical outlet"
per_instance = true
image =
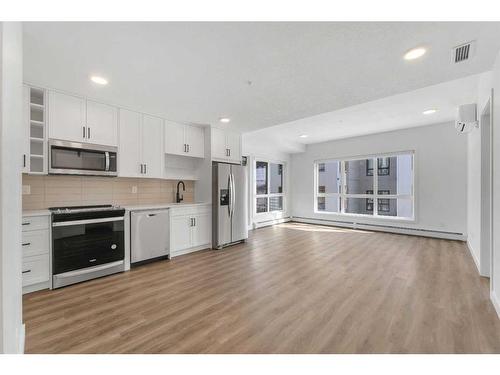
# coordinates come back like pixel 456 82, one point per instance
pixel 26 189
pixel 134 189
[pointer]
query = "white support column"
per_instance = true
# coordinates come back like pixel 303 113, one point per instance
pixel 11 97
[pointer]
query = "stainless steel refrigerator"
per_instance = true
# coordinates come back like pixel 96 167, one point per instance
pixel 229 204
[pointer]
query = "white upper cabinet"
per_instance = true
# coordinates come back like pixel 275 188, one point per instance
pixel 219 149
pixel 186 140
pixel 141 145
pixel 152 146
pixel 66 117
pixel 72 118
pixel 226 146
pixel 233 144
pixel 129 149
pixel 174 138
pixel 102 124
pixel 195 140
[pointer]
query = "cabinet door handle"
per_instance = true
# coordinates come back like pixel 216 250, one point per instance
pixel 141 169
pixel 194 221
pixel 188 147
pixel 145 169
pixel 24 160
pixel 229 150
pixel 28 223
pixel 83 128
pixel 26 243
pixel 27 271
pixel 88 132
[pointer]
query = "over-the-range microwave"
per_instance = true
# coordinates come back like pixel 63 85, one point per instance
pixel 82 159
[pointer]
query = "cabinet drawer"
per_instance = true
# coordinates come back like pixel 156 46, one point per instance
pixel 35 223
pixel 35 269
pixel 189 210
pixel 35 242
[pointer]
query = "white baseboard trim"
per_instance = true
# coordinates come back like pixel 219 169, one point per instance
pixel 495 302
pixel 22 338
pixel 268 223
pixel 35 287
pixel 476 261
pixel 383 228
pixel 190 250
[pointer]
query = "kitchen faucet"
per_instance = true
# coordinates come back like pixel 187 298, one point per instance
pixel 179 198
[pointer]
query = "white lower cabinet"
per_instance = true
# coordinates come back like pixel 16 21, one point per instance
pixel 36 253
pixel 190 229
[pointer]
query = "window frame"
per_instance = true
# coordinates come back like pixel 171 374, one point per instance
pixel 343 196
pixel 269 195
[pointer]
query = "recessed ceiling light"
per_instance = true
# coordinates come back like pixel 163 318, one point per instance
pixel 303 136
pixel 99 80
pixel 415 53
pixel 429 111
pixel 224 120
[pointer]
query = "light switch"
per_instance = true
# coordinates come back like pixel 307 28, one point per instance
pixel 26 189
pixel 134 189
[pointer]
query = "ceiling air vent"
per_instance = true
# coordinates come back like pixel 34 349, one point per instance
pixel 463 52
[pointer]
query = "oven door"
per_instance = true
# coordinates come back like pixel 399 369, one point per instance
pixel 86 243
pixel 81 159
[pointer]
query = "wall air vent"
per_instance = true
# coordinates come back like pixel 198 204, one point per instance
pixel 463 52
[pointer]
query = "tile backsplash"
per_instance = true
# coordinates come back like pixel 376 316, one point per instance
pixel 41 192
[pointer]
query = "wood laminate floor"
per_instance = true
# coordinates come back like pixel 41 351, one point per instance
pixel 292 288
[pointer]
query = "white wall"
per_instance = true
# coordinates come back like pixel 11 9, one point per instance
pixel 495 280
pixel 440 175
pixel 254 146
pixel 474 178
pixel 10 186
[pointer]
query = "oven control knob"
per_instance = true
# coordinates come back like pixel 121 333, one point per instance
pixel 113 247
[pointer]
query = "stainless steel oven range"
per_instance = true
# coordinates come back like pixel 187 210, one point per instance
pixel 87 242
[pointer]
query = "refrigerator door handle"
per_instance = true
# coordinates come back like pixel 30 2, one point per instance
pixel 233 198
pixel 229 187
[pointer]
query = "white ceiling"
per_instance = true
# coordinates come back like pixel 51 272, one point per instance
pixel 391 113
pixel 198 72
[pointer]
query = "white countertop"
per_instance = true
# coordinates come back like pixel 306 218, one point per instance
pixel 142 207
pixel 139 207
pixel 28 213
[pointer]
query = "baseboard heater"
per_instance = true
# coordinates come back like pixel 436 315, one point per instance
pixel 384 228
pixel 267 223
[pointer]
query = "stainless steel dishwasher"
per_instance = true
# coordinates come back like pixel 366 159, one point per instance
pixel 149 234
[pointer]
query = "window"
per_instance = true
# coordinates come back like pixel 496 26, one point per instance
pixel 383 204
pixel 348 186
pixel 384 166
pixel 269 192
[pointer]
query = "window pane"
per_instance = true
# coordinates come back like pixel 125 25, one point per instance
pixel 329 204
pixel 275 204
pixel 261 205
pixel 357 180
pixel 395 207
pixel 405 174
pixel 395 174
pixel 261 177
pixel 357 206
pixel 329 177
pixel 276 178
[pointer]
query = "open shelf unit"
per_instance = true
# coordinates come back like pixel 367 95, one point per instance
pixel 35 153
